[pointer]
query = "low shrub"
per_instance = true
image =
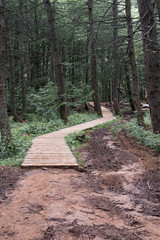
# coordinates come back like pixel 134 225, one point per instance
pixel 75 140
pixel 146 138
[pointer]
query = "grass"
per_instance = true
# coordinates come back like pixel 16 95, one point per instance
pixel 23 133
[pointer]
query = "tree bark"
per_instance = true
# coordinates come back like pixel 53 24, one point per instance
pixel 22 62
pixel 4 121
pixel 157 3
pixel 26 45
pixel 73 62
pixel 57 59
pixel 130 96
pixel 152 61
pixel 12 83
pixel 86 59
pixel 93 60
pixel 115 58
pixel 9 47
pixel 132 58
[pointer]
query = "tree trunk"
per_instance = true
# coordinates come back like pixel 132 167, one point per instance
pixel 115 58
pixel 93 60
pixel 22 62
pixel 9 47
pixel 152 61
pixel 4 122
pixel 57 59
pixel 130 96
pixel 86 60
pixel 26 45
pixel 73 62
pixel 131 54
pixel 12 82
pixel 157 2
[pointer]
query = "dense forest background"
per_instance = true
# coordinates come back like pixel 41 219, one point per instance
pixel 58 55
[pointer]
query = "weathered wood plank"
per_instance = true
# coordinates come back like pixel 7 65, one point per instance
pixel 52 150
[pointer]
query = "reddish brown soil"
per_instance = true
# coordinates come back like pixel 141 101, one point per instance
pixel 8 179
pixel 115 196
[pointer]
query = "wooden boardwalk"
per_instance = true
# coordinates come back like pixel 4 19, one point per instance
pixel 51 150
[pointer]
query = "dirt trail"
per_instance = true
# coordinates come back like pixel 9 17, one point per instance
pixel 111 198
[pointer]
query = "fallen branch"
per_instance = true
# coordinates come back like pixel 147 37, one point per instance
pixel 137 235
pixel 149 185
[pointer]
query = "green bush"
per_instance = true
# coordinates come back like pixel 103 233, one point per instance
pixel 74 140
pixel 146 138
pixel 80 94
pixel 15 152
pixel 147 119
pixel 44 102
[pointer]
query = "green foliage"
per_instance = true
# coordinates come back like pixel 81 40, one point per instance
pixel 37 128
pixel 44 102
pixel 146 138
pixel 116 128
pixel 15 152
pixel 77 118
pixel 23 133
pixel 147 119
pixel 106 124
pixel 80 93
pixel 75 140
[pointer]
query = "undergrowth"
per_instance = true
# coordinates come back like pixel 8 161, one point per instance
pixel 143 136
pixel 23 133
pixel 77 139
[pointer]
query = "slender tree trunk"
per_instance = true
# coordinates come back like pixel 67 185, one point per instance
pixel 86 60
pixel 152 60
pixel 50 16
pixel 26 45
pixel 157 3
pixel 132 58
pixel 57 59
pixel 130 96
pixel 4 122
pixel 73 62
pixel 22 61
pixel 93 60
pixel 9 47
pixel 115 58
pixel 44 57
pixel 12 82
pixel 36 49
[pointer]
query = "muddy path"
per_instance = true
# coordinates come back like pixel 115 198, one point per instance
pixel 115 196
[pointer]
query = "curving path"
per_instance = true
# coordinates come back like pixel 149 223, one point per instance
pixel 51 150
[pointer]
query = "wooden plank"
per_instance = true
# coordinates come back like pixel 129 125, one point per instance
pixel 51 149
